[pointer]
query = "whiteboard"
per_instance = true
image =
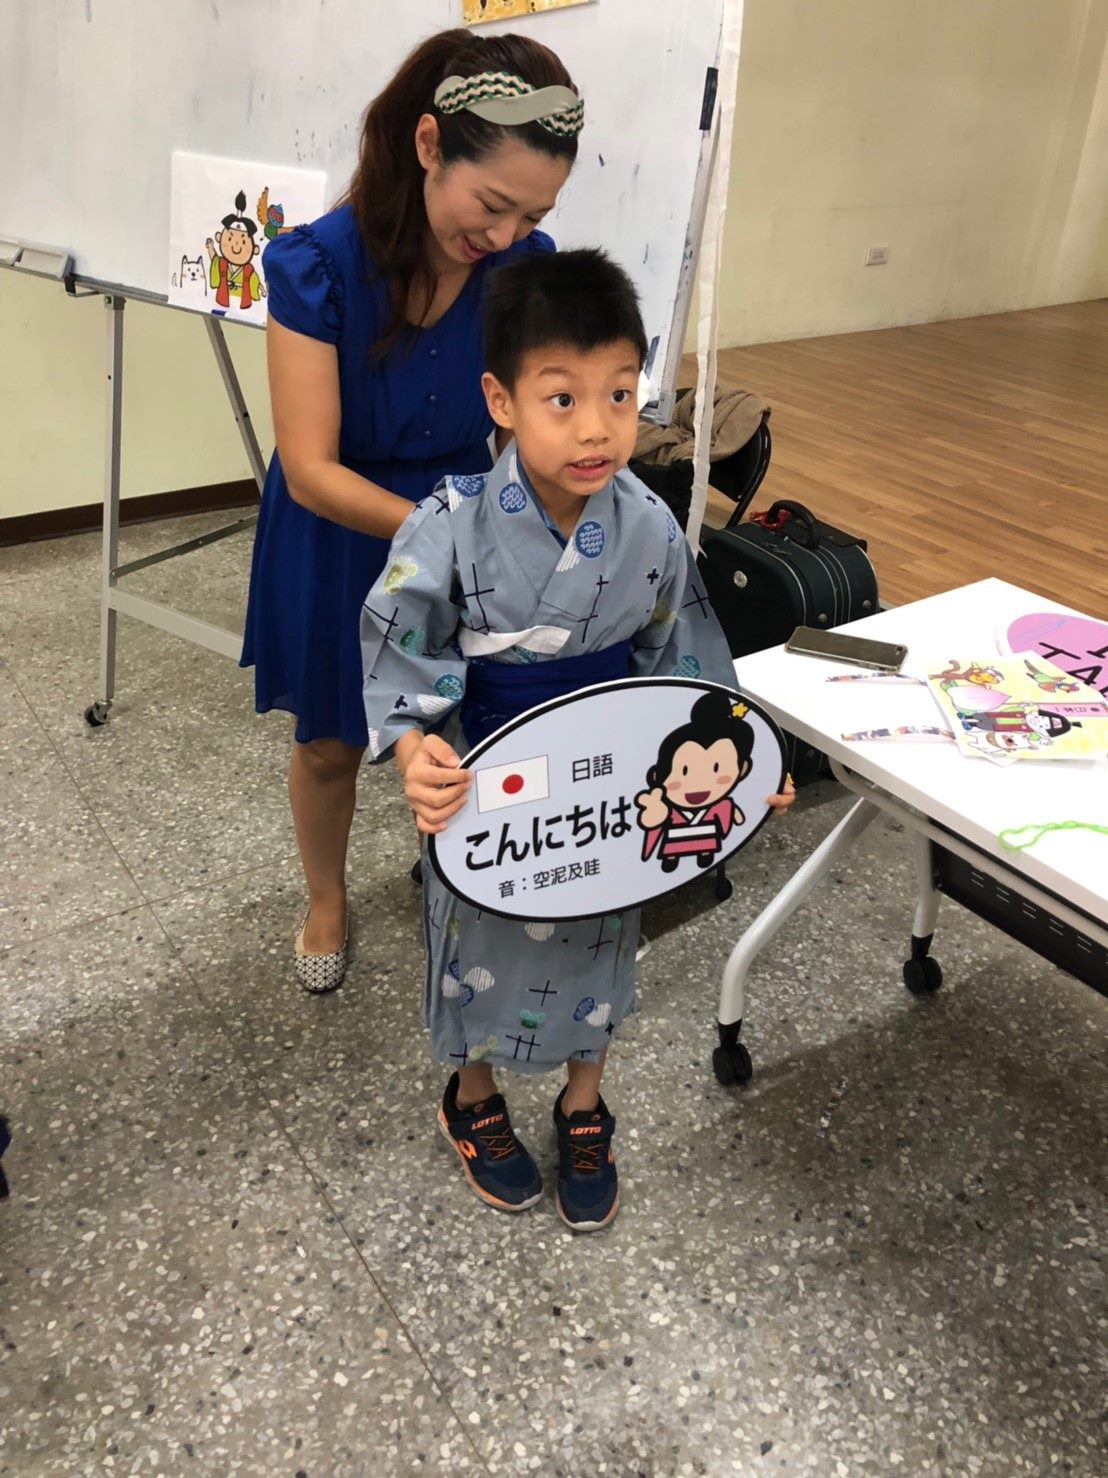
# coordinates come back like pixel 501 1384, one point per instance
pixel 96 94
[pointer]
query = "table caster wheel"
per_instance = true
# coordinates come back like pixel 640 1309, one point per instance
pixel 922 977
pixel 732 1065
pixel 96 714
pixel 416 873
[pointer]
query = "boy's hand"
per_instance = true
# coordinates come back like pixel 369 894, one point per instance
pixel 784 799
pixel 434 783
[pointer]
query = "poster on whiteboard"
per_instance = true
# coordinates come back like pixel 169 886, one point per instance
pixel 609 798
pixel 477 12
pixel 223 214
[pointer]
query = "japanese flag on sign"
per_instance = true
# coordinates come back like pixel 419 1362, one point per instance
pixel 512 785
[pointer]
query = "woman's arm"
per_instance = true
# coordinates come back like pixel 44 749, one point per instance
pixel 304 390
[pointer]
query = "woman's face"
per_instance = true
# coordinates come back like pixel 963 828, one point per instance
pixel 477 208
pixel 701 776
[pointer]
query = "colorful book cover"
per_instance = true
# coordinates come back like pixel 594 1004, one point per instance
pixel 1020 707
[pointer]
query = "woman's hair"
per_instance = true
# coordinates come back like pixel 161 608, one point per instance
pixel 386 190
pixel 580 298
pixel 711 719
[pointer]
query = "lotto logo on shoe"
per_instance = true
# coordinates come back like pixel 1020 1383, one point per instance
pixel 511 785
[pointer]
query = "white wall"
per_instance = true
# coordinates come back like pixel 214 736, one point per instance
pixel 969 136
pixel 178 431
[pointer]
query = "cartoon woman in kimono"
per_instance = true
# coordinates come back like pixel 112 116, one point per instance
pixel 688 810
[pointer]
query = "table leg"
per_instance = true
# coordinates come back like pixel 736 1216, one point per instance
pixel 730 1060
pixel 921 973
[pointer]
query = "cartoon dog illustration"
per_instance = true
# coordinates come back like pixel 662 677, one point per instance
pixel 191 274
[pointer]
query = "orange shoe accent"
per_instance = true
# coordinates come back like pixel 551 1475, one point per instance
pixel 479 1190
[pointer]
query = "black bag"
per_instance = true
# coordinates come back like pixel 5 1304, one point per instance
pixel 782 570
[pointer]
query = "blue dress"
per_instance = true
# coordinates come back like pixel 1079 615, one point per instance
pixel 408 420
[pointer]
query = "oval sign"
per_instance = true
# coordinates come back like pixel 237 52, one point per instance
pixel 1076 644
pixel 610 797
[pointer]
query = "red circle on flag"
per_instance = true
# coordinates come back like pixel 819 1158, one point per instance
pixel 512 784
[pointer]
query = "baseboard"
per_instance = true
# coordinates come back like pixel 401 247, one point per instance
pixel 57 522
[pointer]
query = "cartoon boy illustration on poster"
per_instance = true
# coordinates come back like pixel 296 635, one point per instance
pixel 688 810
pixel 232 255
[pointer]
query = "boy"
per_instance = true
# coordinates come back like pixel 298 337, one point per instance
pixel 557 570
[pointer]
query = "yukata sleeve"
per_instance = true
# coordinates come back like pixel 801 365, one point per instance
pixel 683 637
pixel 413 671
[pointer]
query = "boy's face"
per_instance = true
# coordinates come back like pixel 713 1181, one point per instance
pixel 574 415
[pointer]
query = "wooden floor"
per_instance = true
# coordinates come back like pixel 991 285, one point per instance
pixel 958 450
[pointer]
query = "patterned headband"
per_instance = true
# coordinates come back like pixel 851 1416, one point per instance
pixel 500 97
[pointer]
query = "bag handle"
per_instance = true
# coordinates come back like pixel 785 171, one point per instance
pixel 784 512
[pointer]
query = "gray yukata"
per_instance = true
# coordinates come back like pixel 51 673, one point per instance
pixel 475 571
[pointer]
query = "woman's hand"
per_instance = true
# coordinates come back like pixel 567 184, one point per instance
pixel 434 783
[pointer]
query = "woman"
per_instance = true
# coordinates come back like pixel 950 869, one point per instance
pixel 374 347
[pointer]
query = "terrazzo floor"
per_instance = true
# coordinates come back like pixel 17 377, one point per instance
pixel 236 1244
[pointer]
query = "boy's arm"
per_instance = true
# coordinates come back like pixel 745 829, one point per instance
pixel 683 637
pixel 413 675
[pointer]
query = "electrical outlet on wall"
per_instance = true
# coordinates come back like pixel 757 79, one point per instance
pixel 876 256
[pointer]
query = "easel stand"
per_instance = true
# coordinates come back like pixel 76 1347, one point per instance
pixel 113 598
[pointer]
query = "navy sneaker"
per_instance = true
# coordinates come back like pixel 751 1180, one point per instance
pixel 588 1186
pixel 497 1166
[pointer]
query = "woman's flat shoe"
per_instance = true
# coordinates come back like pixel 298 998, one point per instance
pixel 319 974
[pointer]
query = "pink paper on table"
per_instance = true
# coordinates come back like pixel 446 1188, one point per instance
pixel 1077 644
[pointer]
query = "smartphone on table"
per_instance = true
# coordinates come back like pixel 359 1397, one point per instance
pixel 842 646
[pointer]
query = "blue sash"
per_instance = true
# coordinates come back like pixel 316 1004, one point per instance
pixel 499 691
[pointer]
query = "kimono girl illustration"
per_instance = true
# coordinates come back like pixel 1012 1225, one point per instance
pixel 688 810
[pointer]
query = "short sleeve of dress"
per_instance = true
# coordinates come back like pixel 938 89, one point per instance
pixel 305 289
pixel 539 242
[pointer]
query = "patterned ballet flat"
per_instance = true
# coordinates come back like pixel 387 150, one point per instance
pixel 319 974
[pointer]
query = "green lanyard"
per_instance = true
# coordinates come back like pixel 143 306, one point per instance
pixel 1038 832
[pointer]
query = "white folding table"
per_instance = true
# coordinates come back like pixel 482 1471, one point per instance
pixel 1053 897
